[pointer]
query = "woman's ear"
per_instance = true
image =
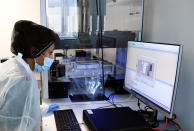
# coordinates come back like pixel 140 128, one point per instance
pixel 33 52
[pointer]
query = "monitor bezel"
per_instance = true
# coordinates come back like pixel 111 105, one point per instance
pixel 150 103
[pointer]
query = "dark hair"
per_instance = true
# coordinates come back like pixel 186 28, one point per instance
pixel 31 39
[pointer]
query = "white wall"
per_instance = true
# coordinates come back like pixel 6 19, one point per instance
pixel 118 15
pixel 172 21
pixel 10 12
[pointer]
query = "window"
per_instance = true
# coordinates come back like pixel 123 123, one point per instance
pixel 62 17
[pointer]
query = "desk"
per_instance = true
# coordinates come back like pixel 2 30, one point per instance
pixel 48 121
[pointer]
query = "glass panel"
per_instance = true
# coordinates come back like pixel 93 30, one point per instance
pixel 122 23
pixel 84 69
pixel 81 58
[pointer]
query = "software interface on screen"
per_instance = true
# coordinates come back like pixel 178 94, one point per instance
pixel 151 70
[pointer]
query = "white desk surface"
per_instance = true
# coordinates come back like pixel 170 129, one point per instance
pixel 48 121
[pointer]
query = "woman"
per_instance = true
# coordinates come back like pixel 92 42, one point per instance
pixel 19 94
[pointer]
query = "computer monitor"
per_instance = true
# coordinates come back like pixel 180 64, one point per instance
pixel 152 71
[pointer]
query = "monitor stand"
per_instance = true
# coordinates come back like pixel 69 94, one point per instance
pixel 85 98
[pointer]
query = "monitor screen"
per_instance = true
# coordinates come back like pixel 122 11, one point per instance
pixel 152 73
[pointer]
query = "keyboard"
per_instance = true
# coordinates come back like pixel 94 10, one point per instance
pixel 66 120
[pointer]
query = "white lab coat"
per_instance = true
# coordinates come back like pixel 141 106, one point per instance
pixel 19 97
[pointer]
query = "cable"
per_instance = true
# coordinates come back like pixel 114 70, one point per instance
pixel 111 97
pixel 112 103
pixel 102 107
pixel 111 100
pixel 177 123
pixel 162 126
pixel 138 104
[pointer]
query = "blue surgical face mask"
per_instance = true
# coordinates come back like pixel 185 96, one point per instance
pixel 47 64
